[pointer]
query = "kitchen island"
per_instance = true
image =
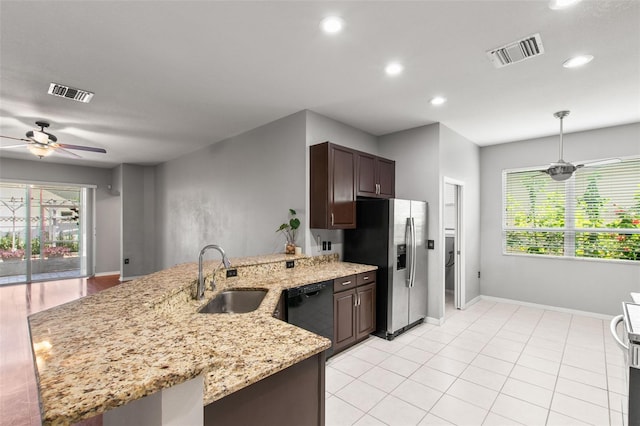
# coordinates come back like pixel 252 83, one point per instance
pixel 138 338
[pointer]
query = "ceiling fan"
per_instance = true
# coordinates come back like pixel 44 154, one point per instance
pixel 562 170
pixel 42 144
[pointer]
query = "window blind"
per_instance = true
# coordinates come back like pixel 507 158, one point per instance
pixel 596 213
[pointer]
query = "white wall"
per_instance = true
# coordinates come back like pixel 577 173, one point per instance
pixel 460 160
pixel 234 193
pixel 322 129
pixel 594 286
pixel 107 205
pixel 416 153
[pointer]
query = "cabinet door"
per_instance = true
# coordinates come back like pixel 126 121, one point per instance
pixel 343 319
pixel 386 171
pixel 367 181
pixel 342 194
pixel 366 310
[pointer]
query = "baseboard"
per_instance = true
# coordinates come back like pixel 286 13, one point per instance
pixel 104 274
pixel 472 301
pixel 434 321
pixel 123 279
pixel 547 307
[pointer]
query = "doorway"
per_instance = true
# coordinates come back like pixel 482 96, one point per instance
pixel 46 232
pixel 453 285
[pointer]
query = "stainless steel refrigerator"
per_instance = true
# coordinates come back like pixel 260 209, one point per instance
pixel 392 234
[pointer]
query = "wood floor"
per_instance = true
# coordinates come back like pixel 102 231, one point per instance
pixel 18 392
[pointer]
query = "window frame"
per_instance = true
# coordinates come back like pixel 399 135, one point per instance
pixel 568 230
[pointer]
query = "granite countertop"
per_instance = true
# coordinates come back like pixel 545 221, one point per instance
pixel 132 340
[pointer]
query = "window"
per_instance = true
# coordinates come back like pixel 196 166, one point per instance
pixel 594 214
pixel 46 231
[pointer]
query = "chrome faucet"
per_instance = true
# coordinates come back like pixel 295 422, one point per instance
pixel 225 261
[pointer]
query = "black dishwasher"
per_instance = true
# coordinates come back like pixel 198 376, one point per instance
pixel 311 307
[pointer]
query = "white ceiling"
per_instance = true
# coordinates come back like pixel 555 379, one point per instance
pixel 172 77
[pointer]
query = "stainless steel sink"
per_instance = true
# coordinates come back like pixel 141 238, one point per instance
pixel 236 301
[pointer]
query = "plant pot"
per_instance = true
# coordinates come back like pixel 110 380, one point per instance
pixel 290 248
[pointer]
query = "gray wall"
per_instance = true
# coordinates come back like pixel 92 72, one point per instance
pixel 234 193
pixel 107 205
pixel 320 128
pixel 460 160
pixel 594 286
pixel 416 153
pixel 138 220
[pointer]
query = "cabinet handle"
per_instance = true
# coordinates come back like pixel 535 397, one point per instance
pixel 366 277
pixel 377 188
pixel 331 219
pixel 346 283
pixel 359 301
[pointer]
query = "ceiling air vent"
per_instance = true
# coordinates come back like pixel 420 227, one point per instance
pixel 517 51
pixel 74 94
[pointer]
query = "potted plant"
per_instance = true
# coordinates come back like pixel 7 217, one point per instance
pixel 290 231
pixel 53 252
pixel 12 255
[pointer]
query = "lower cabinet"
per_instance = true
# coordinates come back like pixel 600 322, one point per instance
pixel 354 312
pixel 365 311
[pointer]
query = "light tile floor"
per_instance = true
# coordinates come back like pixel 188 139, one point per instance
pixel 491 364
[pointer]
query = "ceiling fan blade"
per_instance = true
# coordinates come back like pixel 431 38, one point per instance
pixel 82 148
pixel 601 162
pixel 58 147
pixel 16 139
pixel 12 146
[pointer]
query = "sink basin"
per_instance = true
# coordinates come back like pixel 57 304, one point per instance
pixel 236 301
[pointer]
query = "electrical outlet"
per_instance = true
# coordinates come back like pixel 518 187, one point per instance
pixel 431 244
pixel 290 264
pixel 126 261
pixel 329 245
pixel 232 273
pixel 324 245
pixel 478 274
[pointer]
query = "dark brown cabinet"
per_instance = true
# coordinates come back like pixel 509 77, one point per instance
pixel 344 319
pixel 354 309
pixel 333 192
pixel 376 176
pixel 365 310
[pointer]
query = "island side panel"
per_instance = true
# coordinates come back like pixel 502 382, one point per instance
pixel 295 394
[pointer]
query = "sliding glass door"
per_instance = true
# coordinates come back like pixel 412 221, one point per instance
pixel 46 232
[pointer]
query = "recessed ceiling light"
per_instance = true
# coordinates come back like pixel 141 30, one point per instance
pixel 562 4
pixel 438 100
pixel 393 68
pixel 577 61
pixel 332 24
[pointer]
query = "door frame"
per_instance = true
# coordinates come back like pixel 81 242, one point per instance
pixel 460 248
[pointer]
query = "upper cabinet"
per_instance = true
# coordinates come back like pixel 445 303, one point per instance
pixel 333 186
pixel 376 176
pixel 339 174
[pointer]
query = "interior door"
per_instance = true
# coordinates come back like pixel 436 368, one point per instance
pixel 418 291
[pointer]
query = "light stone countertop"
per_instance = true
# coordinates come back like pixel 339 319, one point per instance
pixel 129 341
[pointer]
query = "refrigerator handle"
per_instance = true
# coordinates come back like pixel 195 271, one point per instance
pixel 408 236
pixel 414 249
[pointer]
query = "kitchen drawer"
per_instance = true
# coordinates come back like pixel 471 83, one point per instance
pixel 344 283
pixel 366 278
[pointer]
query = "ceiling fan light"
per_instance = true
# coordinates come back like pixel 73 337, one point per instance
pixel 40 150
pixel 38 136
pixel 561 171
